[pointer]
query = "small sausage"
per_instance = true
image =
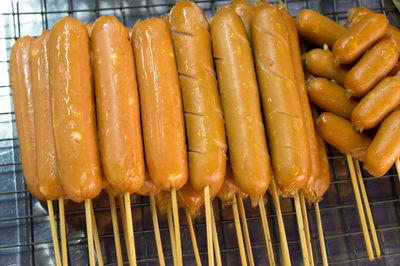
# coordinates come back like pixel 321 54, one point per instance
pixel 244 9
pixel 330 97
pixel 163 202
pixel 117 104
pixel 190 199
pixel 339 133
pixel 201 104
pixel 374 65
pixel 379 102
pixel 359 37
pixel 21 85
pixel 355 14
pixel 385 147
pixel 320 63
pixel 47 172
pixel 281 101
pixel 241 103
pixel 148 187
pixel 318 28
pixel 229 189
pixel 73 111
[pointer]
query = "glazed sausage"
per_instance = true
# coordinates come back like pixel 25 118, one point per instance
pixel 320 63
pixel 148 187
pixel 385 147
pixel 47 172
pixel 229 189
pixel 73 113
pixel 330 97
pixel 241 104
pixel 395 70
pixel 374 65
pixel 89 28
pixel 359 37
pixel 163 201
pixel 190 199
pixel 244 9
pixel 203 115
pixel 21 85
pixel 318 28
pixel 379 102
pixel 281 101
pixel 161 106
pixel 117 104
pixel 301 87
pixel 339 133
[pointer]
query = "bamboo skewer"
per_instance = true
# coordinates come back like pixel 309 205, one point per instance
pixel 156 230
pixel 96 237
pixel 321 235
pixel 245 230
pixel 89 233
pixel 64 247
pixel 302 234
pixel 360 208
pixel 268 241
pixel 215 240
pixel 117 240
pixel 129 227
pixel 171 234
pixel 398 167
pixel 54 232
pixel 124 227
pixel 207 204
pixel 239 231
pixel 175 215
pixel 193 237
pixel 368 210
pixel 306 227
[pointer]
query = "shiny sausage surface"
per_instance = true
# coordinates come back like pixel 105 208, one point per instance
pixel 190 199
pixel 229 189
pixel 244 9
pixel 148 187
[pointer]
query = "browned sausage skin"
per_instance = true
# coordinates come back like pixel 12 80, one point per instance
pixel 73 113
pixel 190 199
pixel 21 85
pixel 244 9
pixel 229 189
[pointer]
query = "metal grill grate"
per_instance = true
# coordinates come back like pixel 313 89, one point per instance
pixel 24 225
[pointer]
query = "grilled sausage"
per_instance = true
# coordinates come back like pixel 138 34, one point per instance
pixel 359 37
pixel 117 104
pixel 281 101
pixel 379 102
pixel 47 172
pixel 229 189
pixel 241 104
pixel 339 133
pixel 385 148
pixel 161 106
pixel 330 97
pixel 148 187
pixel 203 115
pixel 21 85
pixel 374 65
pixel 190 199
pixel 355 14
pixel 244 9
pixel 73 113
pixel 163 201
pixel 395 70
pixel 318 28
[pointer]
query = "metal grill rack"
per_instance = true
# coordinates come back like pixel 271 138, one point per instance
pixel 24 227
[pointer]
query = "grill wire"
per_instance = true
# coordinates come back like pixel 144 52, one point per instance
pixel 24 224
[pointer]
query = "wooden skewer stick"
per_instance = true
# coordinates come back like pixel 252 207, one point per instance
pixel 129 227
pixel 64 247
pixel 281 225
pixel 89 231
pixel 398 167
pixel 156 230
pixel 360 208
pixel 306 227
pixel 245 230
pixel 368 210
pixel 124 227
pixel 321 235
pixel 215 239
pixel 239 231
pixel 171 234
pixel 302 233
pixel 193 237
pixel 175 215
pixel 114 220
pixel 207 204
pixel 54 232
pixel 268 241
pixel 96 237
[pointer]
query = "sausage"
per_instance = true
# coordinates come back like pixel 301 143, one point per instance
pixel 117 104
pixel 378 103
pixel 355 14
pixel 21 85
pixel 163 201
pixel 89 28
pixel 240 102
pixel 318 28
pixel 395 70
pixel 161 105
pixel 330 97
pixel 359 37
pixel 320 63
pixel 302 90
pixel 339 133
pixel 385 147
pixel 374 65
pixel 281 101
pixel 190 199
pixel 202 109
pixel 148 187
pixel 244 9
pixel 47 172
pixel 229 189
pixel 73 112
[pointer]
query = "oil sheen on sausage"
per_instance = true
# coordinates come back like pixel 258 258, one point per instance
pixel 244 9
